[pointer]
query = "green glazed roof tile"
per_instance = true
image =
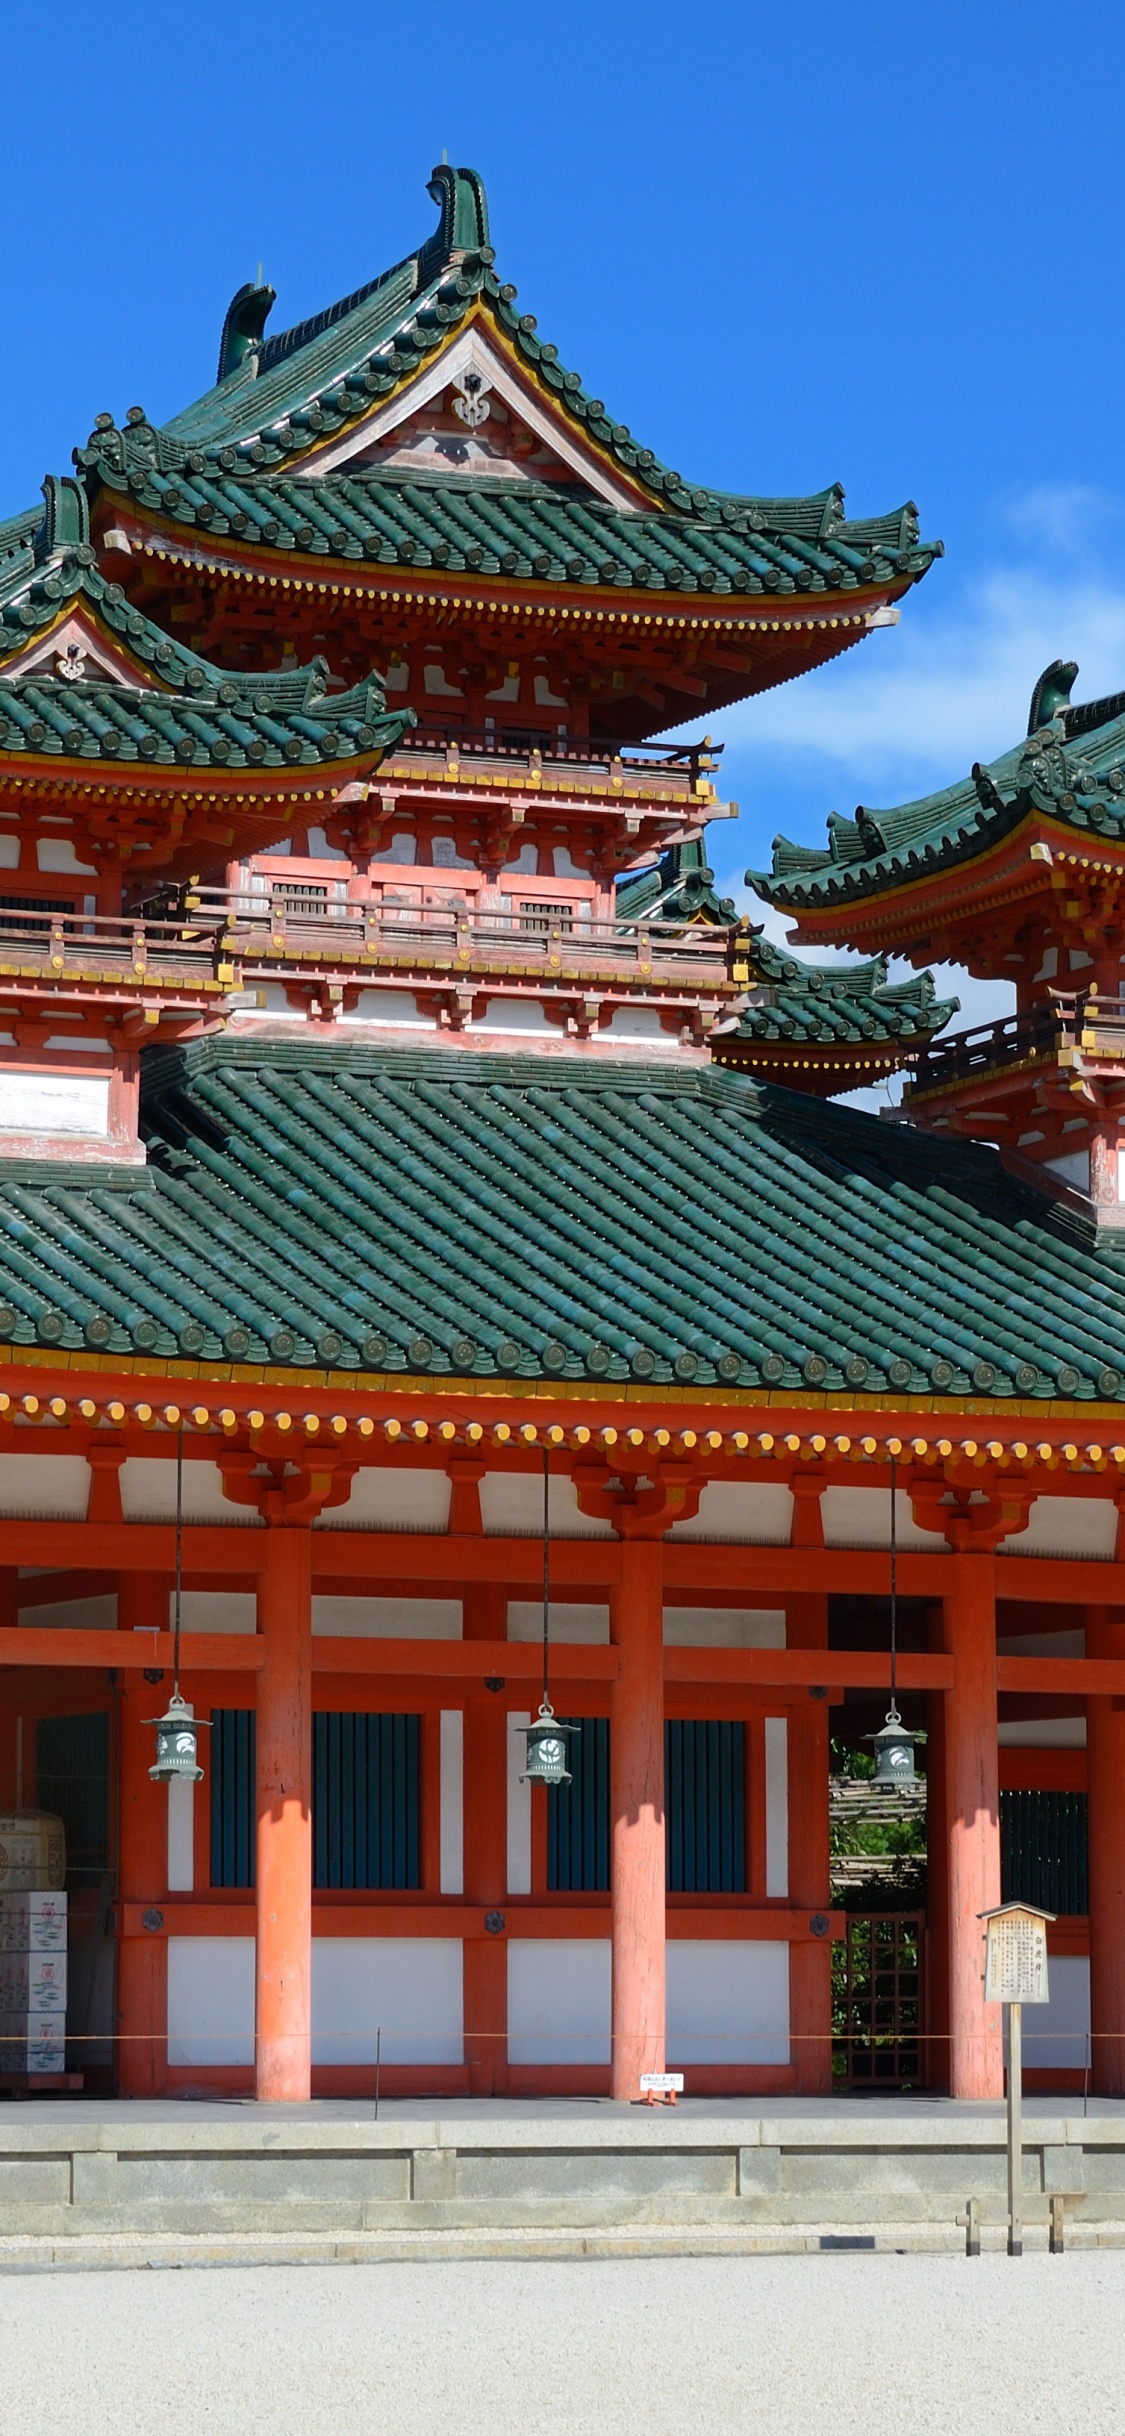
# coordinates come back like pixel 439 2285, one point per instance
pixel 191 712
pixel 220 464
pixel 1070 767
pixel 381 1211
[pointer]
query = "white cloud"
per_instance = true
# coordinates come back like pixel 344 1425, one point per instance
pixel 919 703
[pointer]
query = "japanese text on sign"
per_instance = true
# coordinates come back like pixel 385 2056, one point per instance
pixel 1016 1961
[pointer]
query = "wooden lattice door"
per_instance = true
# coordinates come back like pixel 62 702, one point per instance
pixel 878 2001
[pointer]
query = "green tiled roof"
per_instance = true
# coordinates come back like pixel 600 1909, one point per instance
pixel 221 463
pixel 1070 766
pixel 823 1003
pixel 526 529
pixel 348 1208
pixel 193 711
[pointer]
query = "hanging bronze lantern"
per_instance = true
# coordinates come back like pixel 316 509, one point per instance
pixel 894 1754
pixel 546 1748
pixel 177 1744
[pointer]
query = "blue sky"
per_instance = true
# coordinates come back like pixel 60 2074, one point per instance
pixel 788 246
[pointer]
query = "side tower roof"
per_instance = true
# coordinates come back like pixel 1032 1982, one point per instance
pixel 98 701
pixel 889 874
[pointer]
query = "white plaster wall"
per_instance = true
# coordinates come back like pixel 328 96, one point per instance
pixel 519 1807
pixel 1055 2034
pixel 724 1627
pixel 387 1498
pixel 54 1103
pixel 210 2000
pixel 861 1518
pixel 741 1509
pixel 513 1501
pixel 728 2001
pixel 410 1988
pixel 148 1492
pixel 97 1614
pixel 214 1611
pixel 568 1622
pixel 1067 1526
pixel 452 1798
pixel 777 1805
pixel 1042 1734
pixel 558 2000
pixel 387 1619
pixel 55 1486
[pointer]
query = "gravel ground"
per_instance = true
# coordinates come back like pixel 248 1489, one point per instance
pixel 787 2346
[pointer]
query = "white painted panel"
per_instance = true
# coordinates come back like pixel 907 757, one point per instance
pixel 777 1805
pixel 567 1622
pixel 148 1492
pixel 1055 2034
pixel 387 1619
pixel 9 851
pixel 519 1807
pixel 741 1509
pixel 210 2000
pixel 1067 1526
pixel 409 1988
pixel 635 1023
pixel 97 1614
pixel 389 1008
pixel 1042 1644
pixel 1073 1167
pixel 385 1498
pixel 513 1501
pixel 512 1015
pixel 1042 1734
pixel 452 1787
pixel 558 2000
pixel 181 1835
pixel 58 854
pixel 724 1627
pixel 728 2001
pixel 54 1103
pixel 861 1518
pixel 57 1486
pixel 214 1610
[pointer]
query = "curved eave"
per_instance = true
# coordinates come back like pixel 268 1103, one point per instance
pixel 869 901
pixel 830 622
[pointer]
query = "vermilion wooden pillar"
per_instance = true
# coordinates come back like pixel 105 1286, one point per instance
pixel 142 1812
pixel 486 1853
pixel 810 1964
pixel 1105 1762
pixel 937 1876
pixel 636 1744
pixel 976 2067
pixel 283 1986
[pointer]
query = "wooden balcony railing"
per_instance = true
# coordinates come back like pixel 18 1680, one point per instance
pixel 217 940
pixel 1079 1026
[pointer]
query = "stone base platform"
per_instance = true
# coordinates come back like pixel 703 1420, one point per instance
pixel 102 2183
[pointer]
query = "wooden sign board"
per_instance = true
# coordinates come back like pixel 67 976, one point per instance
pixel 1015 1971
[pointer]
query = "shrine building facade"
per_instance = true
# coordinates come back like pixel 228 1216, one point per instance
pixel 425 1203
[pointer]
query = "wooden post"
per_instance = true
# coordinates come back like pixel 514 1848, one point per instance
pixel 810 1963
pixel 937 1877
pixel 637 1815
pixel 1105 1760
pixel 1015 2131
pixel 142 1812
pixel 976 2068
pixel 486 1854
pixel 283 1986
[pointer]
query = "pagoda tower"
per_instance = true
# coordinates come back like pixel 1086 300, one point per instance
pixel 402 1181
pixel 1015 872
